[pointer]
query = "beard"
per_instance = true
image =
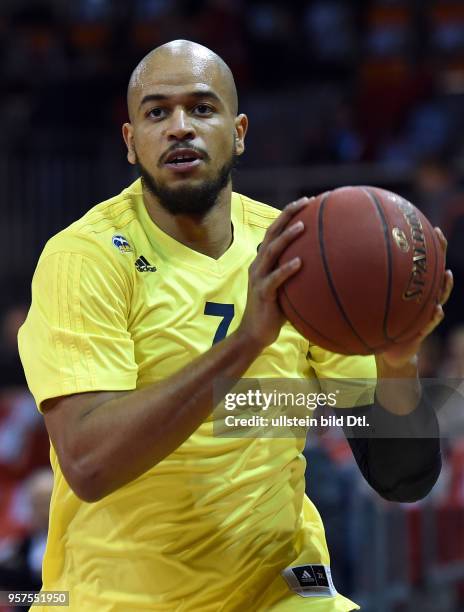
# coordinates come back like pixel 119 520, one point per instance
pixel 187 199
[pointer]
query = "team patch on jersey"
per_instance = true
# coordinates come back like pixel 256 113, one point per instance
pixel 121 243
pixel 143 265
pixel 310 580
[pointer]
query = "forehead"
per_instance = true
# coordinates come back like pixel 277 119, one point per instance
pixel 171 75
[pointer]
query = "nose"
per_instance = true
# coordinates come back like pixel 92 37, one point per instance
pixel 180 126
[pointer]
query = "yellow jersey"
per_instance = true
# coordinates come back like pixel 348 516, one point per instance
pixel 221 524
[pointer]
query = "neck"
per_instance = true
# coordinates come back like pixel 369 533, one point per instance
pixel 210 234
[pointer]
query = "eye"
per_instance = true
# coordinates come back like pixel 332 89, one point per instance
pixel 156 113
pixel 203 110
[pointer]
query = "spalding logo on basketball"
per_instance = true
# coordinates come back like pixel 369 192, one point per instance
pixel 400 239
pixel 372 271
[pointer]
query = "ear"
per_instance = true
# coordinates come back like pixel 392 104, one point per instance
pixel 241 127
pixel 128 135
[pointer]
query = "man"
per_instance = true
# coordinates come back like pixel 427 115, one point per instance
pixel 137 309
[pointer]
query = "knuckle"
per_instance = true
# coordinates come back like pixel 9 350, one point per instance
pixel 289 231
pixel 272 278
pixel 262 292
pixel 252 273
pixel 271 248
pixel 281 274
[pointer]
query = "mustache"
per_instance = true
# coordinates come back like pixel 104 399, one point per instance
pixel 183 145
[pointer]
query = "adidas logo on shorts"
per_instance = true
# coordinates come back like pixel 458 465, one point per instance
pixel 310 580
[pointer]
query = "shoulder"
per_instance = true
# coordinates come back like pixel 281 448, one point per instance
pixel 257 214
pixel 103 235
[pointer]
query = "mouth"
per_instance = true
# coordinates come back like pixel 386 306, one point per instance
pixel 183 160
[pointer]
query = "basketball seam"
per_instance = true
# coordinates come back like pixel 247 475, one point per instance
pixel 303 320
pixel 386 234
pixel 374 349
pixel 325 263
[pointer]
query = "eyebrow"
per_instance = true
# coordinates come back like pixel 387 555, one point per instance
pixel 190 94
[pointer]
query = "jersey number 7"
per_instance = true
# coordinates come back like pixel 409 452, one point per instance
pixel 226 311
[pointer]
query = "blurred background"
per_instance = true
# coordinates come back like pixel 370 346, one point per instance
pixel 337 92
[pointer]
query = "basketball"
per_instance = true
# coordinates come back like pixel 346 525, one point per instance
pixel 371 275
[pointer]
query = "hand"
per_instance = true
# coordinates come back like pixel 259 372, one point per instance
pixel 403 354
pixel 263 318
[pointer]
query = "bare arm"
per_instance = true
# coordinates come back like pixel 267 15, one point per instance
pixel 104 440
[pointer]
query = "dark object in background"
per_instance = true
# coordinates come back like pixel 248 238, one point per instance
pixel 16 574
pixel 12 374
pixel 21 562
pixel 439 194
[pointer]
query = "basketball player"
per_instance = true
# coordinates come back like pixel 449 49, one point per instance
pixel 137 308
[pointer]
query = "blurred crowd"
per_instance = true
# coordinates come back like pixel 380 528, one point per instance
pixel 436 188
pixel 373 80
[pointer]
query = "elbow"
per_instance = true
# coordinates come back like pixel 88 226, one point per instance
pixel 412 489
pixel 86 495
pixel 84 479
pixel 84 484
pixel 405 495
pixel 86 492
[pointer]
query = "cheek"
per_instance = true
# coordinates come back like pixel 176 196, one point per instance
pixel 147 144
pixel 223 144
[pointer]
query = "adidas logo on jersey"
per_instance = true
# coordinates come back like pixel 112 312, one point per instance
pixel 143 265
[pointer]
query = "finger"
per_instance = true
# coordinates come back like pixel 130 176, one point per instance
pixel 270 253
pixel 448 284
pixel 284 218
pixel 279 276
pixel 441 239
pixel 437 318
pixel 415 342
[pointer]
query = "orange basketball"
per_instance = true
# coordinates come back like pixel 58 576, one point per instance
pixel 372 271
